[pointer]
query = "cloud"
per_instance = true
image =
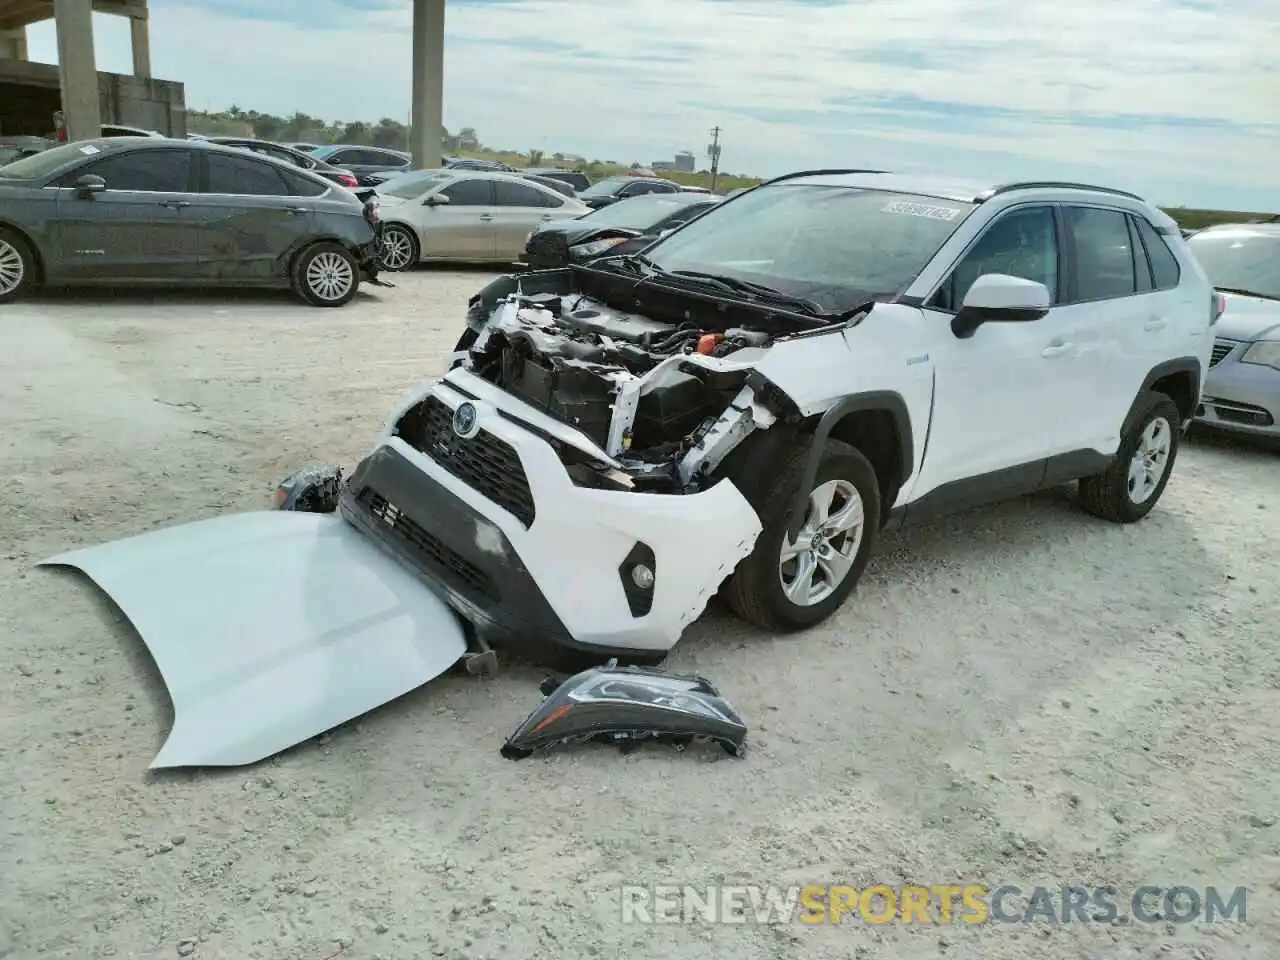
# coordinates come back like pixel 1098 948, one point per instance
pixel 1174 98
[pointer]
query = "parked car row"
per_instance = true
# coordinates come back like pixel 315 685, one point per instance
pixel 157 211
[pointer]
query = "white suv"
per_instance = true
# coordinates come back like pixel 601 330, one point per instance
pixel 744 406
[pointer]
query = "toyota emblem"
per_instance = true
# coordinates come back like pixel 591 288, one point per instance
pixel 465 421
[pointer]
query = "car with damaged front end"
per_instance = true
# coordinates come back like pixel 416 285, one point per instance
pixel 744 406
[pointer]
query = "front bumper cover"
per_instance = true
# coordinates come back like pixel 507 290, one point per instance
pixel 554 573
pixel 1241 398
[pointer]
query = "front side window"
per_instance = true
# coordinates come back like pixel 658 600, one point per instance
pixel 242 176
pixel 1105 265
pixel 472 192
pixel 410 186
pixel 1240 259
pixel 156 171
pixel 508 194
pixel 1021 243
pixel 838 246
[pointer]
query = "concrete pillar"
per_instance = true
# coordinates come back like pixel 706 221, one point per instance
pixel 78 68
pixel 428 83
pixel 13 44
pixel 140 35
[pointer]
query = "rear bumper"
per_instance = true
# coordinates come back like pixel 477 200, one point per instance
pixel 559 572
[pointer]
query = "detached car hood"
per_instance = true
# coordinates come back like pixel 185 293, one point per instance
pixel 270 628
pixel 1248 318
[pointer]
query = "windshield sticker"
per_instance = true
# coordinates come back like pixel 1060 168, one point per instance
pixel 89 149
pixel 922 210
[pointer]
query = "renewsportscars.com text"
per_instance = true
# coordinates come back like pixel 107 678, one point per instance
pixel 939 904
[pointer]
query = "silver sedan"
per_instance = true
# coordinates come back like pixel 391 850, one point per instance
pixel 465 215
pixel 1242 388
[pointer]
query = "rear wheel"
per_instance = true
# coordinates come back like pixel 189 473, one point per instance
pixel 399 247
pixel 17 266
pixel 326 275
pixel 792 583
pixel 1130 487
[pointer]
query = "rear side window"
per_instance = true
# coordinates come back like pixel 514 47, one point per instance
pixel 1165 271
pixel 508 194
pixel 242 176
pixel 1105 265
pixel 301 186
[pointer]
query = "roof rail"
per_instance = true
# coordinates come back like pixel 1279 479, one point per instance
pixel 816 173
pixel 1058 184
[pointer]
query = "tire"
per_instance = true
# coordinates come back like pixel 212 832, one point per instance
pixel 756 591
pixel 1128 491
pixel 398 237
pixel 326 275
pixel 17 266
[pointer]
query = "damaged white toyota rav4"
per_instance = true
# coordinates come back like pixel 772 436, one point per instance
pixel 748 403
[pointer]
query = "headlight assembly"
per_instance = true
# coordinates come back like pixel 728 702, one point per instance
pixel 595 247
pixel 1264 353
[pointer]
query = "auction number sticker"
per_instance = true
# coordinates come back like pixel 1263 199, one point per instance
pixel 89 149
pixel 922 210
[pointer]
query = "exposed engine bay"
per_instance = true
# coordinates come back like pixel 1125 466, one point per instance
pixel 666 399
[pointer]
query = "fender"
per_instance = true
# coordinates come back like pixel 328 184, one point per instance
pixel 1169 368
pixel 872 400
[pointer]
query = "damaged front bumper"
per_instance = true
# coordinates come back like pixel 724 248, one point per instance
pixel 494 523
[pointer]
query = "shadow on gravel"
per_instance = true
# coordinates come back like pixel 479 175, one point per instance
pixel 177 297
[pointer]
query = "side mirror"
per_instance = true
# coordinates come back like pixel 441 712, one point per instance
pixel 1000 298
pixel 90 184
pixel 436 200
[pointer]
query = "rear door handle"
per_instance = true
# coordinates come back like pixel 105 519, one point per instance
pixel 296 210
pixel 175 204
pixel 1058 348
pixel 546 216
pixel 1155 323
pixel 486 217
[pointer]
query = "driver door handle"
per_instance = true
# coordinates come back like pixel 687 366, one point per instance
pixel 486 217
pixel 1155 323
pixel 1058 348
pixel 546 216
pixel 175 204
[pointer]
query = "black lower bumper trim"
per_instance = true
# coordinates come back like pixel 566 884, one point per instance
pixel 437 534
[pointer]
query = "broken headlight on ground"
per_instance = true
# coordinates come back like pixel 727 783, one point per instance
pixel 627 706
pixel 315 488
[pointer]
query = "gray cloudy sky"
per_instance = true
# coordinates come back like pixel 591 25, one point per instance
pixel 1179 99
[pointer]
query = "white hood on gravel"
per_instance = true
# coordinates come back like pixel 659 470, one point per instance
pixel 270 628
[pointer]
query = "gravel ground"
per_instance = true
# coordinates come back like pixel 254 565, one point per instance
pixel 1021 695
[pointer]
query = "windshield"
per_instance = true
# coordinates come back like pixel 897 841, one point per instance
pixel 1235 259
pixel 410 186
pixel 606 188
pixel 637 213
pixel 41 164
pixel 836 246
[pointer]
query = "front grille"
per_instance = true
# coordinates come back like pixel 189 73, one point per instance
pixel 448 562
pixel 487 464
pixel 1220 350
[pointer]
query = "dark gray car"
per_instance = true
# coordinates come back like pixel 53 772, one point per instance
pixel 176 212
pixel 288 155
pixel 363 161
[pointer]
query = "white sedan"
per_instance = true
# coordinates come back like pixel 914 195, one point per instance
pixel 464 215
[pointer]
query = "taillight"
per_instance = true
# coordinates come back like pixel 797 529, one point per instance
pixel 347 180
pixel 1219 308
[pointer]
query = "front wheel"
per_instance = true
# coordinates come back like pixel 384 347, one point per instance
pixel 1130 487
pixel 789 584
pixel 399 247
pixel 326 275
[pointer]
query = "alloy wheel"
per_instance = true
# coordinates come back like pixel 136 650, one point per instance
pixel 397 249
pixel 814 564
pixel 12 268
pixel 330 276
pixel 1150 460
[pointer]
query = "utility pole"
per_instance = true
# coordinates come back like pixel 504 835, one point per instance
pixel 713 151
